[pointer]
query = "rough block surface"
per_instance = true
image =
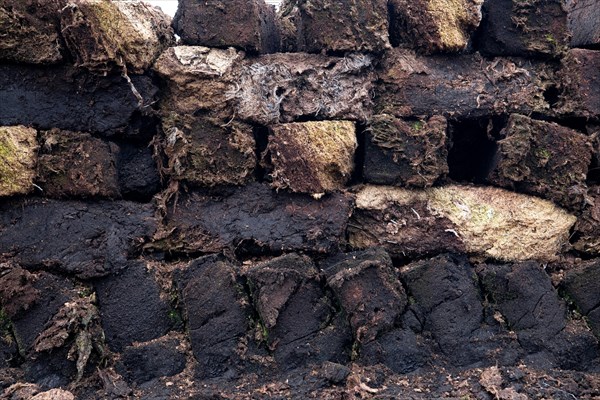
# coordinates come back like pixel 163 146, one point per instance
pixel 263 220
pixel 322 25
pixel 312 157
pixel 530 28
pixel 18 158
pixel 482 220
pixel 30 31
pixel 433 26
pixel 543 159
pixel 248 25
pixel 405 153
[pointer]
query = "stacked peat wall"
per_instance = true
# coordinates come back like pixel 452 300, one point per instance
pixel 342 200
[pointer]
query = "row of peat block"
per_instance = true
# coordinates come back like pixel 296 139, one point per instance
pixel 216 211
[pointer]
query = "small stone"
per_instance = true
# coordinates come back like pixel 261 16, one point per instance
pixel 334 372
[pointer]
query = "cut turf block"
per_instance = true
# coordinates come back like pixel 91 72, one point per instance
pixel 130 306
pixel 543 159
pixel 197 79
pixel 312 157
pixel 460 86
pixel 405 153
pixel 582 285
pixel 71 99
pixel 579 84
pixel 286 87
pixel 324 25
pixel 30 300
pixel 18 157
pixel 205 151
pixel 587 229
pixel 155 359
pixel 531 306
pixel 245 24
pixel 368 290
pixel 584 23
pixel 217 313
pixel 86 240
pixel 30 31
pixel 432 26
pixel 255 217
pixel 485 221
pixel 300 320
pixel 524 28
pixel 75 164
pixel 445 289
pixel 105 35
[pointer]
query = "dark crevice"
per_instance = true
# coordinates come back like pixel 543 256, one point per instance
pixel 261 138
pixel 472 148
pixel 254 318
pixel 551 95
pixel 359 155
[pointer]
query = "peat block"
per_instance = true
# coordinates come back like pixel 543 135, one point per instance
pixel 459 86
pixel 582 286
pixel 245 24
pixel 584 23
pixel 587 229
pixel 255 218
pixel 480 220
pixel 18 157
pixel 312 157
pixel 579 79
pixel 130 306
pixel 205 151
pixel 267 89
pixel 286 87
pixel 70 99
pixel 197 79
pixel 146 361
pixel 338 26
pixel 525 297
pixel 30 31
pixel 106 35
pixel 446 292
pixel 530 28
pixel 300 320
pixel 84 239
pixel 405 153
pixel 368 290
pixel 433 26
pixel 75 164
pixel 30 300
pixel 401 350
pixel 216 311
pixel 543 159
